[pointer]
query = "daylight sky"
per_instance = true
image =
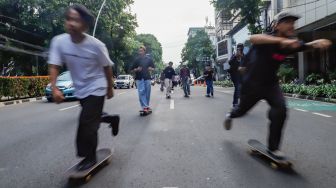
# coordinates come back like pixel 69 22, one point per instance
pixel 169 21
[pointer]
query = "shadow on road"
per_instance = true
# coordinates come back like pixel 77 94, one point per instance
pixel 259 168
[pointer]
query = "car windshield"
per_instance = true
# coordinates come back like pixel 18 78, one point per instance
pixel 65 76
pixel 122 77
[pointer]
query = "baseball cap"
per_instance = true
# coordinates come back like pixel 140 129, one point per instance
pixel 285 15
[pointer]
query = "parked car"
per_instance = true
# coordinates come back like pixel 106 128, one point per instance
pixel 64 84
pixel 124 81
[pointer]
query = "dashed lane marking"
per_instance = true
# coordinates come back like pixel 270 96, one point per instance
pixel 75 106
pixel 172 104
pixel 324 115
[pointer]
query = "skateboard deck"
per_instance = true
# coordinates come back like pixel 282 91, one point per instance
pixel 257 147
pixel 104 157
pixel 144 113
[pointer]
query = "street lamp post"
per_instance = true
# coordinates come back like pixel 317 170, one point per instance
pixel 101 8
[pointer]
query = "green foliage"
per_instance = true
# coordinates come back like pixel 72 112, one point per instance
pixel 286 73
pixel 37 21
pixel 195 49
pixel 22 87
pixel 324 90
pixel 249 10
pixel 332 75
pixel 153 47
pixel 314 79
pixel 224 83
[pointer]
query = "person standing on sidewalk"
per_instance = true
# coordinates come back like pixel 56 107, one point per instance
pixel 235 62
pixel 169 73
pixel 91 70
pixel 185 79
pixel 143 66
pixel 260 80
pixel 208 76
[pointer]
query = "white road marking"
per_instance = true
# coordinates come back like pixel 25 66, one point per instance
pixel 324 115
pixel 68 107
pixel 298 109
pixel 172 104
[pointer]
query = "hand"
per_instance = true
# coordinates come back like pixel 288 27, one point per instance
pixel 150 68
pixel 290 43
pixel 138 69
pixel 58 96
pixel 321 44
pixel 242 70
pixel 110 93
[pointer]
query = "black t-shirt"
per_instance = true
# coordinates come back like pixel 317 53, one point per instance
pixel 169 72
pixel 144 62
pixel 208 74
pixel 263 62
pixel 235 63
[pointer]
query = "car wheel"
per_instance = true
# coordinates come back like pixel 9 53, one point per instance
pixel 49 99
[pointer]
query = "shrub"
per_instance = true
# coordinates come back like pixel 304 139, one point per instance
pixel 326 90
pixel 224 83
pixel 20 87
pixel 286 73
pixel 313 79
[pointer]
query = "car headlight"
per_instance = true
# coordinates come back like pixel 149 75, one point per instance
pixel 69 86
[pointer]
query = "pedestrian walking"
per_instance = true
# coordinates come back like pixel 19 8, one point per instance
pixel 185 80
pixel 142 67
pixel 235 62
pixel 169 73
pixel 91 70
pixel 208 76
pixel 260 80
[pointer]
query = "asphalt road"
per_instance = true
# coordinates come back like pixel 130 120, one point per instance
pixel 182 144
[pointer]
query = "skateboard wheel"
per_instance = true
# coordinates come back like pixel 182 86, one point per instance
pixel 274 166
pixel 87 178
pixel 108 161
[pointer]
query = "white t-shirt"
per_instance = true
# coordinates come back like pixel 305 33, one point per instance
pixel 85 61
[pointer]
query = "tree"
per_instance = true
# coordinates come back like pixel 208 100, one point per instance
pixel 249 10
pixel 37 21
pixel 154 49
pixel 196 49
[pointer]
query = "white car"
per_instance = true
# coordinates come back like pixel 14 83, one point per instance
pixel 124 81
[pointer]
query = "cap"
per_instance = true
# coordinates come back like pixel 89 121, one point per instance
pixel 285 15
pixel 240 45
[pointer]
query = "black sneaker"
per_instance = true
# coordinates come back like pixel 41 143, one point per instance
pixel 227 122
pixel 186 96
pixel 207 96
pixel 86 163
pixel 113 120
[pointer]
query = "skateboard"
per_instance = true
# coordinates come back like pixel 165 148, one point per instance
pixel 113 120
pixel 258 148
pixel 145 113
pixel 104 157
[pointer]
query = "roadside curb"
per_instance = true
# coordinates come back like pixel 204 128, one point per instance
pixel 20 101
pixel 329 100
pixel 306 97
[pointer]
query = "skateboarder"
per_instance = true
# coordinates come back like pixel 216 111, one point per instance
pixel 208 75
pixel 169 73
pixel 91 70
pixel 235 62
pixel 143 66
pixel 260 80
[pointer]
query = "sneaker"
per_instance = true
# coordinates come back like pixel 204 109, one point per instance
pixel 86 163
pixel 228 122
pixel 113 120
pixel 277 154
pixel 186 96
pixel 149 109
pixel 207 95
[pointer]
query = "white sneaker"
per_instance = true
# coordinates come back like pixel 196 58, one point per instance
pixel 278 154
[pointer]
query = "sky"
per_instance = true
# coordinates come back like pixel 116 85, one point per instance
pixel 169 21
